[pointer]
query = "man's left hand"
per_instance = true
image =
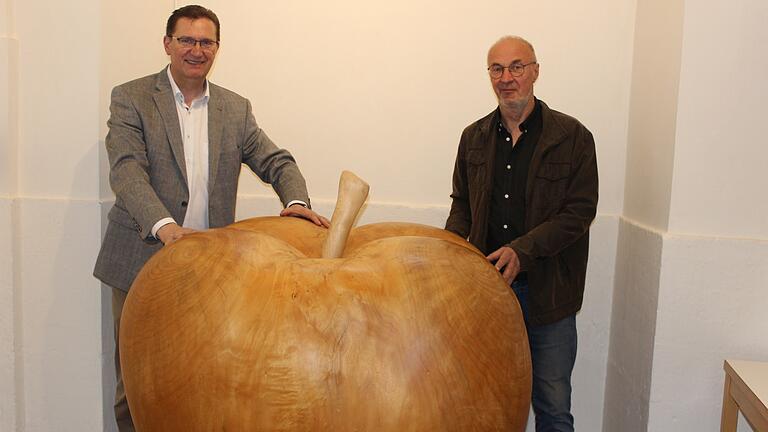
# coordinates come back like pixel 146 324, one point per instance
pixel 506 259
pixel 298 210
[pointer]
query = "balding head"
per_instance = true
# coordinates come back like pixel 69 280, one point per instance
pixel 507 41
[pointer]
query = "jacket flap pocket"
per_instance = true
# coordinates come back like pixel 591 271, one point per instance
pixel 476 157
pixel 121 217
pixel 554 171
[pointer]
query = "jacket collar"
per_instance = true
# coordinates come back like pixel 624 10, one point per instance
pixel 552 132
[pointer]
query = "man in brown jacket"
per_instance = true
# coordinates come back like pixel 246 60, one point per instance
pixel 525 193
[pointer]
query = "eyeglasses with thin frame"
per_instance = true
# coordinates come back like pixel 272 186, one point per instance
pixel 515 69
pixel 190 42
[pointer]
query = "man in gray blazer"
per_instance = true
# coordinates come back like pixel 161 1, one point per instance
pixel 176 143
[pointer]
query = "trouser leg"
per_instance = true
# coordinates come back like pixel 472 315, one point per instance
pixel 553 355
pixel 122 413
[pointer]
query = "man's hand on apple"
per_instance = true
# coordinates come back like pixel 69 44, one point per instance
pixel 298 210
pixel 171 232
pixel 506 258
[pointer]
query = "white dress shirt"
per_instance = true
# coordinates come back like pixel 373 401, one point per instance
pixel 193 121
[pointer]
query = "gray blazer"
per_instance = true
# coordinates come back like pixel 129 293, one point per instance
pixel 148 172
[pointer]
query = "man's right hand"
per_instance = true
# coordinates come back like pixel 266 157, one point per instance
pixel 507 262
pixel 171 232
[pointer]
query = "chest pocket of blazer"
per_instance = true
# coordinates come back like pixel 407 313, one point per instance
pixel 552 183
pixel 230 153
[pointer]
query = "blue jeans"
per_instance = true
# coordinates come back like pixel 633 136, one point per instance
pixel 553 354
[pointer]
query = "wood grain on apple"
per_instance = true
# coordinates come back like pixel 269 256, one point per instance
pixel 248 328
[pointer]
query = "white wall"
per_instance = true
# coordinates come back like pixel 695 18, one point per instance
pixel 56 225
pixel 8 322
pixel 720 151
pixel 653 110
pixel 8 79
pixel 593 324
pixel 8 143
pixel 694 295
pixel 60 315
pixel 57 151
pixel 650 152
pixel 385 89
pixel 715 260
pixel 633 325
pixel 712 307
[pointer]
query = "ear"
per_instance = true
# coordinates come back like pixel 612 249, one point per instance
pixel 536 72
pixel 167 44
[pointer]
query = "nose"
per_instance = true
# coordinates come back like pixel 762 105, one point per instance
pixel 197 49
pixel 506 74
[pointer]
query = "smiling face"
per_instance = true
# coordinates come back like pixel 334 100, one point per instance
pixel 513 92
pixel 190 66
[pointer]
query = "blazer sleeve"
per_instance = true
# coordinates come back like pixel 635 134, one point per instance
pixel 129 165
pixel 272 164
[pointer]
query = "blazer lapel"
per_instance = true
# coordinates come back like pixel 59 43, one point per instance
pixel 165 101
pixel 215 132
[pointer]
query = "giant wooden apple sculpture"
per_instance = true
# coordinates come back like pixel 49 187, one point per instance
pixel 248 328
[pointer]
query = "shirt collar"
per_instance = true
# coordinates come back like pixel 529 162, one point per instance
pixel 180 97
pixel 533 116
pixel 526 124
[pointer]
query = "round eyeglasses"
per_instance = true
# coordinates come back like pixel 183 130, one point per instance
pixel 515 69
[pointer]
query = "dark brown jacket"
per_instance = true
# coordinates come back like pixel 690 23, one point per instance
pixel 561 202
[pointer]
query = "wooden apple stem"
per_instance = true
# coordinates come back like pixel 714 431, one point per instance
pixel 352 194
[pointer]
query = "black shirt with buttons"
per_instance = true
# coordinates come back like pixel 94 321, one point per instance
pixel 506 220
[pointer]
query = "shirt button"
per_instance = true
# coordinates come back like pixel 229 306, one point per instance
pixel 506 195
pixel 505 226
pixel 507 138
pixel 509 166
